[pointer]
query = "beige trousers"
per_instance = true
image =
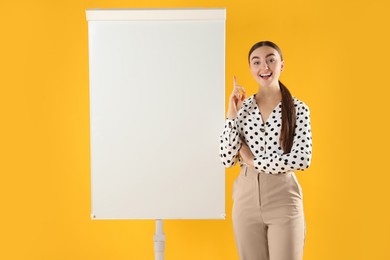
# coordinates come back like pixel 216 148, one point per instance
pixel 268 218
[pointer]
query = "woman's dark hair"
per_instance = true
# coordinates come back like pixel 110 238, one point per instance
pixel 288 109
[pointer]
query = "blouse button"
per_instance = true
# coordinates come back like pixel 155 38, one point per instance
pixel 261 148
pixel 262 130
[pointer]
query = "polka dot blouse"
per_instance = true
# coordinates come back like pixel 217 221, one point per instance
pixel 263 138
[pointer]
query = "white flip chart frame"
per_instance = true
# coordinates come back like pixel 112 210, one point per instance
pixel 157 105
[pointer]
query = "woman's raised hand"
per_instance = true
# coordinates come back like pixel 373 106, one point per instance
pixel 236 99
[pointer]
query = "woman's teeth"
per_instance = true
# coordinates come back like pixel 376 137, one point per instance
pixel 265 75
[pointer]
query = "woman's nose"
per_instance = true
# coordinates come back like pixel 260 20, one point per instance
pixel 264 66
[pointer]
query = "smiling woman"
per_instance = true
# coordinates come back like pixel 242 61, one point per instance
pixel 269 135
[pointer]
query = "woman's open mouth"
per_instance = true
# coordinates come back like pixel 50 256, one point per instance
pixel 266 76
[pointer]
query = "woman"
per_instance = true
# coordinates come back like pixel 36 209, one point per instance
pixel 269 135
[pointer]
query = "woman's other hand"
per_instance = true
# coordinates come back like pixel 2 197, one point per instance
pixel 246 154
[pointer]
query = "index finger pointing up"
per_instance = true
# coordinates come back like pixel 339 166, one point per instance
pixel 235 80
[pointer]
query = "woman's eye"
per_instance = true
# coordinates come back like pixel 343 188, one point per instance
pixel 271 60
pixel 256 63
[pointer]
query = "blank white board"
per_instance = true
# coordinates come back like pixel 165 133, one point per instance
pixel 157 104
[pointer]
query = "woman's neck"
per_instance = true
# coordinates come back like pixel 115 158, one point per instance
pixel 269 93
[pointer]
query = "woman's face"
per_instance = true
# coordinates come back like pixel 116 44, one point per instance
pixel 265 64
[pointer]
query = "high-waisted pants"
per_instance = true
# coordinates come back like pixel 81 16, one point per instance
pixel 268 218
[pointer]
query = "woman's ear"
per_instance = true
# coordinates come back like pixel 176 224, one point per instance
pixel 282 66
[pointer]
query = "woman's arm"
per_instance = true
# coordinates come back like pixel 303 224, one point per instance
pixel 230 143
pixel 299 157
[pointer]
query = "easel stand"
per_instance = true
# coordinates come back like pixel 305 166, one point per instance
pixel 159 241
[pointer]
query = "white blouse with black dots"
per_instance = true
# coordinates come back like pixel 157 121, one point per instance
pixel 263 138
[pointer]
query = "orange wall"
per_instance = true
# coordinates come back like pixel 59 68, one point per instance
pixel 336 59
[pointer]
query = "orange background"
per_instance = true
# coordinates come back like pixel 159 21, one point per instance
pixel 336 59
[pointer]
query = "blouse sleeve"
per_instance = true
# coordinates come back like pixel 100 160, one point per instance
pixel 230 143
pixel 299 157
